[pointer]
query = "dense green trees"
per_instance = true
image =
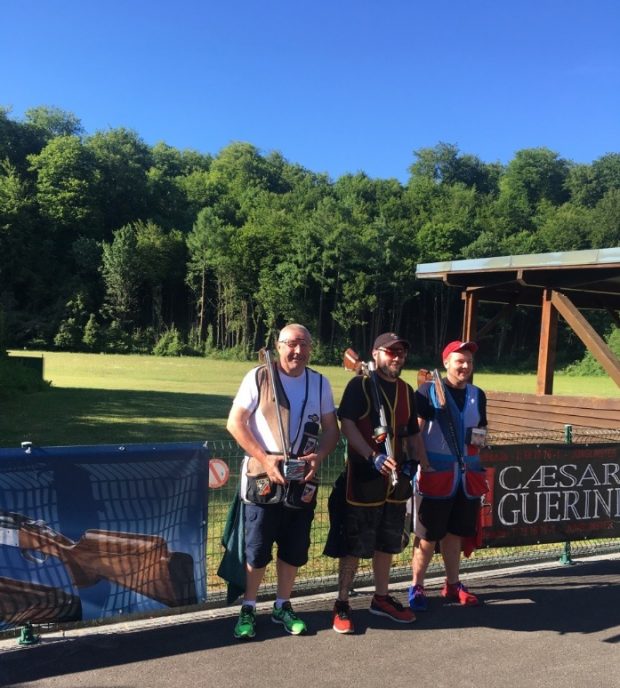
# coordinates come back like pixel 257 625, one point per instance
pixel 107 243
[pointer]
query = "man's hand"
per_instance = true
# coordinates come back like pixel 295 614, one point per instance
pixel 384 464
pixel 271 464
pixel 312 466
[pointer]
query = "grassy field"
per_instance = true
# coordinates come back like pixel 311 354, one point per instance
pixel 103 398
pixel 112 399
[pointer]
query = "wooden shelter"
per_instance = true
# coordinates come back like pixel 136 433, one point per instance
pixel 561 284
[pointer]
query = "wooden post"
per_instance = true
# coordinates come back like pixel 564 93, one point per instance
pixel 548 343
pixel 470 316
pixel 594 342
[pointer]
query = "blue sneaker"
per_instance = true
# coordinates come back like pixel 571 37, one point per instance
pixel 418 602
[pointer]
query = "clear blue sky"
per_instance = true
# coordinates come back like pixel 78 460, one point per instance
pixel 334 85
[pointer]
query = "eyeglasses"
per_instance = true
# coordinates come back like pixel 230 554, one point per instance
pixel 395 353
pixel 294 343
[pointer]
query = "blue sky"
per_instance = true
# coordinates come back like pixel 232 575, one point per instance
pixel 335 85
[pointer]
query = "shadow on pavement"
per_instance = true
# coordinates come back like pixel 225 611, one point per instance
pixel 580 599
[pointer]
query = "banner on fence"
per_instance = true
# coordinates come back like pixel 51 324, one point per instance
pixel 91 532
pixel 550 493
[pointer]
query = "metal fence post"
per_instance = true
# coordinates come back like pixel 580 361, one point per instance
pixel 566 554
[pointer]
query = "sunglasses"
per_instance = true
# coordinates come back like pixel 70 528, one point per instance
pixel 395 353
pixel 294 343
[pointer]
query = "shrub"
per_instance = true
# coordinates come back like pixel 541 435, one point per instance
pixel 69 335
pixel 232 353
pixel 588 364
pixel 115 339
pixel 171 344
pixel 92 334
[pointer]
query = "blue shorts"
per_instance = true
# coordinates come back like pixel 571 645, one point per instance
pixel 269 523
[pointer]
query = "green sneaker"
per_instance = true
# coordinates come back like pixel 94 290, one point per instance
pixel 246 624
pixel 287 617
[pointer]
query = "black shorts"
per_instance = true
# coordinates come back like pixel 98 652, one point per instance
pixel 360 531
pixel 370 529
pixel 269 523
pixel 434 518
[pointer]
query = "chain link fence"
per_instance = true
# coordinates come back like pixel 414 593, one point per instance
pixel 571 435
pixel 321 572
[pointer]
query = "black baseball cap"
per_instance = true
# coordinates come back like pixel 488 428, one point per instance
pixel 388 339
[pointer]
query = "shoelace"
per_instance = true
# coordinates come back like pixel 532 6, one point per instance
pixel 287 610
pixel 395 603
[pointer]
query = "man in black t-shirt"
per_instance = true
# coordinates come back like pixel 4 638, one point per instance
pixel 368 503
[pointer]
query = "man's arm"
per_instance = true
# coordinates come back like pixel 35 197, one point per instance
pixel 237 426
pixel 416 448
pixel 360 446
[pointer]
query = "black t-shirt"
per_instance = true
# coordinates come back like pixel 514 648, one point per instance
pixel 354 403
pixel 427 411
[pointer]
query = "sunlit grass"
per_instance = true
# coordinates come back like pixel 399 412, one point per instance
pixel 103 398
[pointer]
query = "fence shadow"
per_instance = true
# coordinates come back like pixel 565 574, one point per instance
pixel 583 598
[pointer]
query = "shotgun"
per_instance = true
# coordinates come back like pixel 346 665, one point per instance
pixel 294 469
pixel 450 433
pixel 382 434
pixel 440 390
pixel 139 562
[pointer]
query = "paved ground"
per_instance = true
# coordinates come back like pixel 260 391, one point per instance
pixel 545 626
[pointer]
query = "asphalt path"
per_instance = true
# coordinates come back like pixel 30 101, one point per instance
pixel 544 625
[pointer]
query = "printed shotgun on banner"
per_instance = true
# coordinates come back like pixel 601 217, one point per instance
pixel 141 563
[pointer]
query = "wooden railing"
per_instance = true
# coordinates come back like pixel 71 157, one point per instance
pixel 544 415
pixel 510 412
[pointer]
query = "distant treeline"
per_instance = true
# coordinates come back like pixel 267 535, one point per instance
pixel 109 244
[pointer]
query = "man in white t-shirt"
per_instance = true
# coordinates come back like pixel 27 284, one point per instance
pixel 275 509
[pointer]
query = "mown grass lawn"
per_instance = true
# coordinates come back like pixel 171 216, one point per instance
pixel 113 399
pixel 104 398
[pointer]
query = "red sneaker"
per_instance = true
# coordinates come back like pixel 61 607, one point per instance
pixel 341 620
pixel 457 592
pixel 392 608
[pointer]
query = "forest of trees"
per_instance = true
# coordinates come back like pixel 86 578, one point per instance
pixel 109 244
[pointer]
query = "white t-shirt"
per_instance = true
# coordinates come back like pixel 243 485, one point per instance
pixel 295 389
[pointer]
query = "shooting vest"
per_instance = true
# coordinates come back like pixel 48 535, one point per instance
pixel 303 439
pixel 441 456
pixel 365 485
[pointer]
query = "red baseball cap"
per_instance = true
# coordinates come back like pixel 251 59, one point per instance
pixel 458 346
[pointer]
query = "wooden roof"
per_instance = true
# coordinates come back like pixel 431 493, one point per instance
pixel 590 278
pixel 562 283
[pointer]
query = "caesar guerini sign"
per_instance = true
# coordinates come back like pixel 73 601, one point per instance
pixel 548 493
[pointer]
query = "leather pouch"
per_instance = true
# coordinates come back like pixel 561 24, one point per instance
pixel 301 495
pixel 475 483
pixel 259 489
pixel 436 484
